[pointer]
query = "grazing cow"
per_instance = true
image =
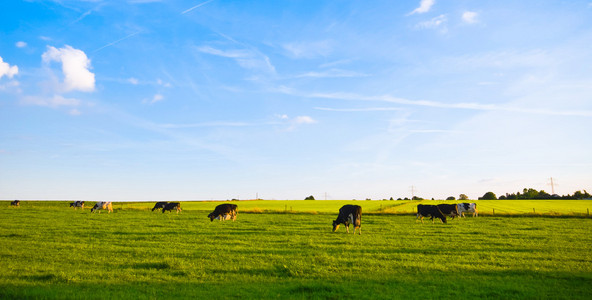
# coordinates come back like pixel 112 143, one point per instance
pixel 77 204
pixel 171 206
pixel 450 210
pixel 467 207
pixel 349 214
pixel 159 205
pixel 429 210
pixel 103 205
pixel 224 212
pixel 15 203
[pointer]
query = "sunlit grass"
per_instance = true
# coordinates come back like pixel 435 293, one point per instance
pixel 50 250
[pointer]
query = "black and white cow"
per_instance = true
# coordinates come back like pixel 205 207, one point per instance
pixel 432 211
pixel 15 203
pixel 349 214
pixel 77 204
pixel 103 205
pixel 171 206
pixel 224 212
pixel 450 210
pixel 159 205
pixel 467 207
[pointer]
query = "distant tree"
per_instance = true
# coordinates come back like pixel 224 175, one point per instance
pixel 309 198
pixel 451 198
pixel 488 196
pixel 580 195
pixel 391 199
pixel 530 193
pixel 463 197
pixel 406 198
pixel 417 198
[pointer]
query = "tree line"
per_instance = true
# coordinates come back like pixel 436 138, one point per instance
pixel 529 194
pixel 534 194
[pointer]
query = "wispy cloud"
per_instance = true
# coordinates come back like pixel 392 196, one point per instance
pixel 435 104
pixel 332 73
pixel 20 44
pixel 246 58
pixel 365 109
pixel 154 99
pixel 208 124
pixel 424 7
pixel 115 42
pixel 84 15
pixel 309 49
pixel 196 6
pixel 55 102
pixel 434 23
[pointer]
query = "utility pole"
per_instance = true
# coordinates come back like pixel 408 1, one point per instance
pixel 552 187
pixel 412 192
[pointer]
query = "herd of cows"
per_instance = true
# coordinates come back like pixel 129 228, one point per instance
pixel 348 214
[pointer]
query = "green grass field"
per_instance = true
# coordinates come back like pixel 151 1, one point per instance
pixel 48 250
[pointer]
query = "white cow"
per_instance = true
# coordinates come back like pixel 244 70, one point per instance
pixel 103 205
pixel 467 207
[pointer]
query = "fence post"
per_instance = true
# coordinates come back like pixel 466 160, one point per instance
pixel 533 211
pixel 493 211
pixel 588 210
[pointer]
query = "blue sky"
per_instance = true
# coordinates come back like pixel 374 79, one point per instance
pixel 188 100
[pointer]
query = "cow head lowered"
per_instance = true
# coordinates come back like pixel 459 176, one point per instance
pixel 349 214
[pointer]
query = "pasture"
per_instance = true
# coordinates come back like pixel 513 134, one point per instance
pixel 285 249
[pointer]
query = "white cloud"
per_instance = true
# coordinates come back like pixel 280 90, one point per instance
pixel 21 44
pixel 434 23
pixel 75 65
pixel 7 70
pixel 424 7
pixel 470 17
pixel 133 80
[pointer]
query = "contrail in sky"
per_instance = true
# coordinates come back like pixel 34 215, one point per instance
pixel 192 8
pixel 119 40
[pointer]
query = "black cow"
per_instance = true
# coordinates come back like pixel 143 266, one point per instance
pixel 159 205
pixel 429 211
pixel 77 204
pixel 349 214
pixel 221 211
pixel 171 206
pixel 15 203
pixel 450 210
